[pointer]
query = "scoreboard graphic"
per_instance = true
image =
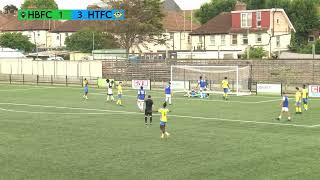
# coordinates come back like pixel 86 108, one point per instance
pixel 46 14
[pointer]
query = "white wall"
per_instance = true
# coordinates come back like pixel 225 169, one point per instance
pixel 58 39
pixel 55 68
pixel 178 42
pixel 252 41
pixel 41 38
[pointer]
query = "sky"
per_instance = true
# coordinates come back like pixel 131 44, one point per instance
pixel 82 4
pixel 191 4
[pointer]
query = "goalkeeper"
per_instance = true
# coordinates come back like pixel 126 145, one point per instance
pixel 195 94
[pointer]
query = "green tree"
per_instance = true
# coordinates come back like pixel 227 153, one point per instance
pixel 16 41
pixel 254 53
pixel 317 47
pixel 213 8
pixel 39 4
pixel 256 4
pixel 142 24
pixel 9 9
pixel 83 41
pixel 303 14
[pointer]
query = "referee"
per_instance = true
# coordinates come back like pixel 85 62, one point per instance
pixel 148 110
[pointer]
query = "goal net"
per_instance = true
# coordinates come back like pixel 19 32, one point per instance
pixel 184 78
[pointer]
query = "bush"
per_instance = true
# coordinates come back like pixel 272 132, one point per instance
pixel 16 41
pixel 255 53
pixel 317 48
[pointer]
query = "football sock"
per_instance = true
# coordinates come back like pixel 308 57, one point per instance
pixel 146 120
pixel 150 120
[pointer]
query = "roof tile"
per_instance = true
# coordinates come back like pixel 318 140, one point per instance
pixel 220 24
pixel 179 21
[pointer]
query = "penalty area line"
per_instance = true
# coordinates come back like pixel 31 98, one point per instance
pixel 62 113
pixel 198 99
pixel 172 115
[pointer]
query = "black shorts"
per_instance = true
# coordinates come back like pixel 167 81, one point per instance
pixel 148 113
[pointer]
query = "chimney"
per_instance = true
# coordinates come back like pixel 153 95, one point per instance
pixel 92 7
pixel 240 6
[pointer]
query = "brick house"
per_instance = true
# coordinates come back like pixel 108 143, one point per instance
pixel 233 32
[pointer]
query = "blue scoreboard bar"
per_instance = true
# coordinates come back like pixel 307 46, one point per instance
pixel 97 14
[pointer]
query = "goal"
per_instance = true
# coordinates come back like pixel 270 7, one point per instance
pixel 185 78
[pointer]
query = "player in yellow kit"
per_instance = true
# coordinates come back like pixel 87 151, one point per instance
pixel 86 88
pixel 163 120
pixel 298 101
pixel 305 96
pixel 225 86
pixel 119 101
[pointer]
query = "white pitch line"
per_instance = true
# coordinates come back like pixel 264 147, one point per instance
pixel 191 99
pixel 25 89
pixel 54 113
pixel 172 115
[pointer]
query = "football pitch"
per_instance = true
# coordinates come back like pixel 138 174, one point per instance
pixel 53 133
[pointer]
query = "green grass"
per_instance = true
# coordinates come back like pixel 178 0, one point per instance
pixel 52 133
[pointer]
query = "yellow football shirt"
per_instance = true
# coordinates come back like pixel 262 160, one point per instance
pixel 304 93
pixel 85 83
pixel 298 96
pixel 119 89
pixel 225 84
pixel 163 113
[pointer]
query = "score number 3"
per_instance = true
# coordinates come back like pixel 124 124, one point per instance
pixel 79 14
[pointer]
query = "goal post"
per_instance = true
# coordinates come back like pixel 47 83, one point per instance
pixel 184 77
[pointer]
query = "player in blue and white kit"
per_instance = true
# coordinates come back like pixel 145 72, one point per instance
pixel 168 93
pixel 285 107
pixel 86 88
pixel 203 85
pixel 140 98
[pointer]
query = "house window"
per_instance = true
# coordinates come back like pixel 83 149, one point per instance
pixel 183 36
pixel 171 35
pixel 38 33
pixel 213 40
pixel 58 36
pixel 234 39
pixel 278 41
pixel 245 39
pixel 246 20
pixel 67 34
pixel 278 21
pixel 311 38
pixel 200 39
pixel 189 39
pixel 259 19
pixel 223 40
pixel 259 38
